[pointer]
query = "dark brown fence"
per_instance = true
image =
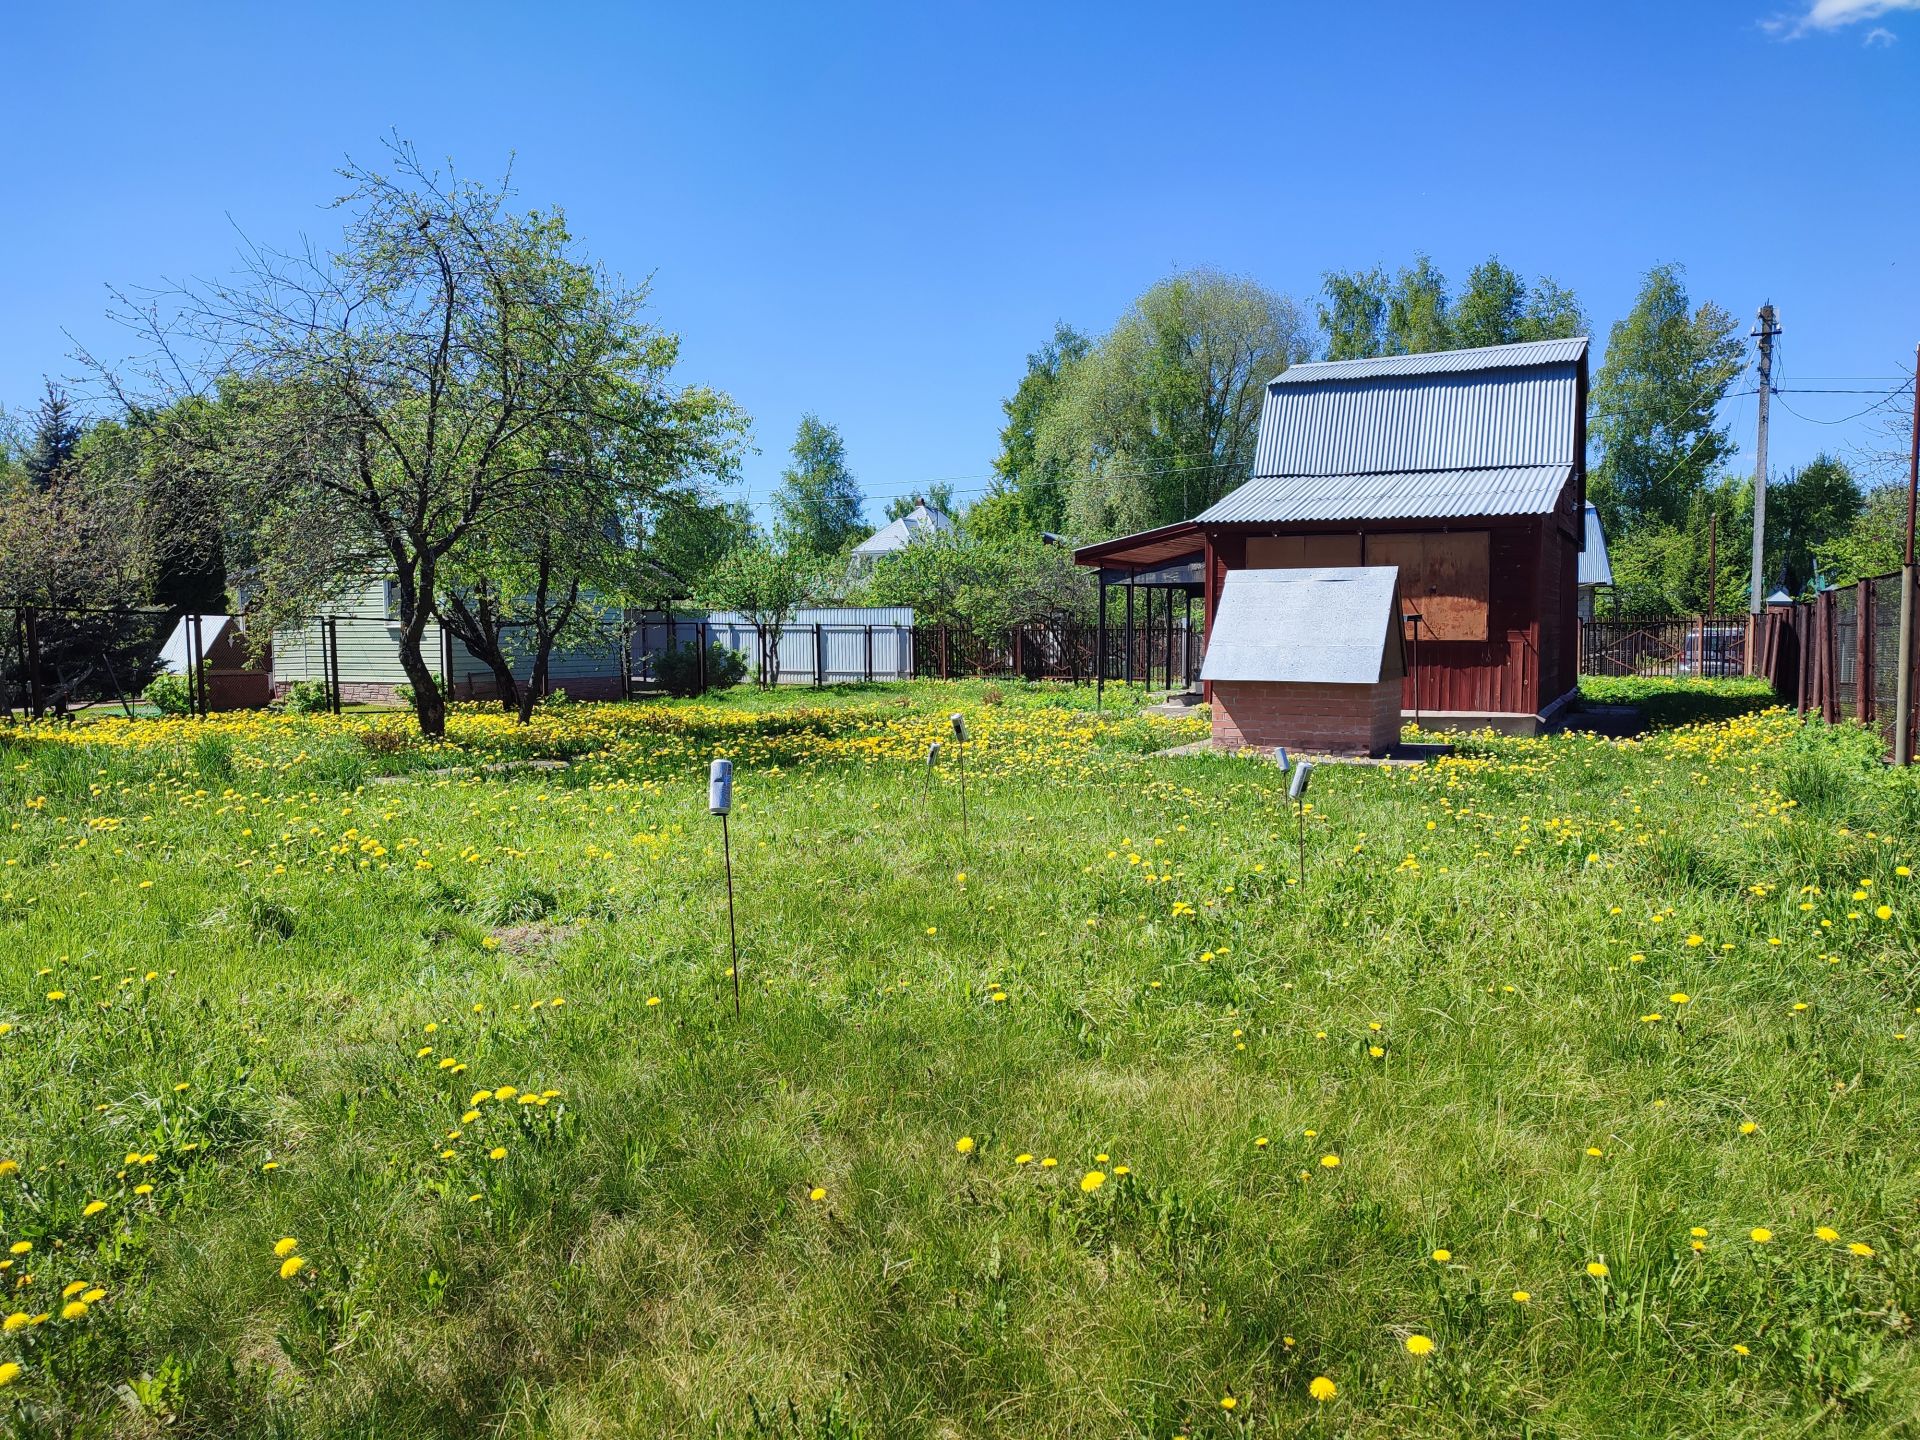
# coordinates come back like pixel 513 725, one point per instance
pixel 1836 655
pixel 1153 655
pixel 1667 648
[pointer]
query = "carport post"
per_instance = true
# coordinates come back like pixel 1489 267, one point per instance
pixel 1129 628
pixel 1100 650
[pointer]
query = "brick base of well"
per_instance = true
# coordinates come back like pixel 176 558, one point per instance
pixel 1336 719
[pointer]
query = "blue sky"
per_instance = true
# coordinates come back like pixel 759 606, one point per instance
pixel 875 212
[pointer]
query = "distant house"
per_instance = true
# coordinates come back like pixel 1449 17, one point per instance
pixel 365 633
pixel 920 523
pixel 1595 569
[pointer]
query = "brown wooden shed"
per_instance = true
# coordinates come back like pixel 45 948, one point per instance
pixel 1466 470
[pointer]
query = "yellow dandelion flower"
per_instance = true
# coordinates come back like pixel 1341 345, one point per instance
pixel 1826 1233
pixel 1419 1345
pixel 1522 1297
pixel 1598 1269
pixel 1322 1389
pixel 9 1372
pixel 1330 1162
pixel 1092 1180
pixel 1760 1235
pixel 964 1144
pixel 285 1246
pixel 292 1266
pixel 1443 1255
pixel 817 1194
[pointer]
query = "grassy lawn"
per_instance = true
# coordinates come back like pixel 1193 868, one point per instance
pixel 353 1087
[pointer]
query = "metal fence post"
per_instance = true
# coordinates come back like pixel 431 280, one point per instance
pixel 1863 652
pixel 819 656
pixel 869 654
pixel 36 692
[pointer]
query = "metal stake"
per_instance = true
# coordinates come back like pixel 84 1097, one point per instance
pixel 733 939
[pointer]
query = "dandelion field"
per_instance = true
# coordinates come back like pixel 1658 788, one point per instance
pixel 354 1087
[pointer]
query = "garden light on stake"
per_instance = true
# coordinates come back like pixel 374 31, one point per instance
pixel 720 802
pixel 933 760
pixel 960 734
pixel 1297 792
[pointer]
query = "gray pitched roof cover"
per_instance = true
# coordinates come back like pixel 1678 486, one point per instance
pixel 917 524
pixel 1322 627
pixel 1463 432
pixel 1595 568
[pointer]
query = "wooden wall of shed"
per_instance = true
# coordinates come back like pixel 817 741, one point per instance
pixel 1528 659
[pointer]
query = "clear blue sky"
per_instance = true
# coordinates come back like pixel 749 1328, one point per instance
pixel 876 212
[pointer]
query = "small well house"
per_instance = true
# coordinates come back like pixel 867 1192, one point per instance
pixel 1310 659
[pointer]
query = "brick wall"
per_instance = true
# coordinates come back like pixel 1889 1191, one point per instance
pixel 1339 719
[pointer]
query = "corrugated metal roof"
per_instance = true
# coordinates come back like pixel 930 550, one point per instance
pixel 1324 627
pixel 1595 568
pixel 1441 422
pixel 1440 362
pixel 1402 495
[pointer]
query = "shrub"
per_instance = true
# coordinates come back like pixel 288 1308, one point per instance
pixel 170 695
pixel 306 697
pixel 678 668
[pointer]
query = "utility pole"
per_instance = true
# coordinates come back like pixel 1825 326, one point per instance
pixel 1766 331
pixel 1903 687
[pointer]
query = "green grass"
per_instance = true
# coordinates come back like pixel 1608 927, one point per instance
pixel 327 901
pixel 1664 703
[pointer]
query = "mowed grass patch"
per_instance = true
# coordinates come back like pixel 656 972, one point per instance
pixel 464 1036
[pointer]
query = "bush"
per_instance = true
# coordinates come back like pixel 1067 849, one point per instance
pixel 306 697
pixel 678 668
pixel 170 695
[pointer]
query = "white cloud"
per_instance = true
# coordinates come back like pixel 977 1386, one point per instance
pixel 1837 15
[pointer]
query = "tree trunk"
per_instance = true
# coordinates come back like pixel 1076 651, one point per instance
pixel 479 629
pixel 429 706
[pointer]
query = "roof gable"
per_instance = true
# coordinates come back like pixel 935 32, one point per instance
pixel 1490 431
pixel 917 524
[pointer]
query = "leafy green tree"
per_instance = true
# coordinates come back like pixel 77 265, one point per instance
pixel 1158 419
pixel 766 582
pixel 1353 313
pixel 1492 307
pixel 985 585
pixel 1552 313
pixel 1814 506
pixel 1038 485
pixel 1872 543
pixel 1417 317
pixel 937 496
pixel 1668 366
pixel 1660 571
pixel 818 506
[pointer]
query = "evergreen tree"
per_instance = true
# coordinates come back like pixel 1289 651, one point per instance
pixel 56 438
pixel 818 505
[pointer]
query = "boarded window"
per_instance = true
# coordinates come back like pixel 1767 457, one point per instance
pixel 1443 580
pixel 1302 552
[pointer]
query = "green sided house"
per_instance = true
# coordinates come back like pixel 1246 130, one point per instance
pixel 364 626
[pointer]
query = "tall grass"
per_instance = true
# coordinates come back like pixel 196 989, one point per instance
pixel 285 986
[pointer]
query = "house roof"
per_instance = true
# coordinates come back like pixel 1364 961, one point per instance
pixel 1492 431
pixel 1595 568
pixel 1324 626
pixel 917 524
pixel 177 650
